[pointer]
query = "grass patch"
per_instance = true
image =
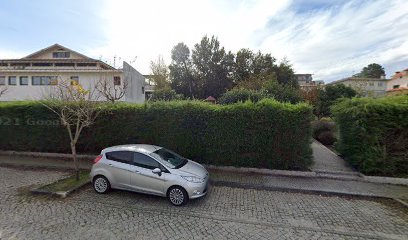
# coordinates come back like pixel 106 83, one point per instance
pixel 68 183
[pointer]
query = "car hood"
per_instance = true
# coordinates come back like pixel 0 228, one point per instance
pixel 194 169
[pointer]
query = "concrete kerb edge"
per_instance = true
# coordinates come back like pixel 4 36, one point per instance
pixel 61 194
pixel 284 173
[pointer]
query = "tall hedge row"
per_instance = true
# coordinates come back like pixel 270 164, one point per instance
pixel 264 134
pixel 374 134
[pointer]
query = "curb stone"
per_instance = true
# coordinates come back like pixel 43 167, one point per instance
pixel 286 173
pixel 60 194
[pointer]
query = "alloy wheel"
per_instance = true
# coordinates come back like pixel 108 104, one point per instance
pixel 176 196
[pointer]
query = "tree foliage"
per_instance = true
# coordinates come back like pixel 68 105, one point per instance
pixel 329 96
pixel 210 70
pixel 373 70
pixel 160 73
pixel 213 66
pixel 181 71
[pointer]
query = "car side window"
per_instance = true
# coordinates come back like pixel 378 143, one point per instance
pixel 120 156
pixel 144 161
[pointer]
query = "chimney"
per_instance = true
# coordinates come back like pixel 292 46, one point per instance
pixel 382 77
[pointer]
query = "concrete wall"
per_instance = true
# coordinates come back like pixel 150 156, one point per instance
pixel 136 84
pixel 373 88
pixel 402 82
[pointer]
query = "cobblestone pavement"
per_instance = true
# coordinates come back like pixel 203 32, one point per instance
pixel 309 184
pixel 226 213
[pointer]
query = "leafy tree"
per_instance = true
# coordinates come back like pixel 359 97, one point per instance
pixel 329 96
pixel 181 71
pixel 373 70
pixel 282 93
pixel 250 65
pixel 160 74
pixel 285 74
pixel 213 66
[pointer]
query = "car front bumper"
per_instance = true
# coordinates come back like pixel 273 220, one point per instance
pixel 197 190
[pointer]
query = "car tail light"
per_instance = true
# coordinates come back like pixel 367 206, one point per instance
pixel 99 157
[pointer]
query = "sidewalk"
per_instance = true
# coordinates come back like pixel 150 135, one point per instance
pixel 249 180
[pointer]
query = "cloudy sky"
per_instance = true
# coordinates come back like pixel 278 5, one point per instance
pixel 331 39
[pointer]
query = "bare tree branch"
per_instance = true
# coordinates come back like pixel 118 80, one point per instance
pixel 3 90
pixel 110 90
pixel 76 109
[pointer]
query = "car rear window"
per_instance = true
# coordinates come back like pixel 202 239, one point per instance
pixel 120 156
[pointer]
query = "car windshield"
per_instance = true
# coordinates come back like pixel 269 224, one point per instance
pixel 169 158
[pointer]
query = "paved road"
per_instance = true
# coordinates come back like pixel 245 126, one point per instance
pixel 226 213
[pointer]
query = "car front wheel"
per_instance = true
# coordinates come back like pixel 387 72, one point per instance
pixel 177 196
pixel 101 184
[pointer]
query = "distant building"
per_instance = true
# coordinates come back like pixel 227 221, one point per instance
pixel 373 87
pixel 31 77
pixel 398 84
pixel 306 81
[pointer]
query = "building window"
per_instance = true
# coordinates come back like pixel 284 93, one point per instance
pixel 23 80
pixel 42 64
pixel 371 84
pixel 22 65
pixel 12 80
pixel 380 84
pixel 44 80
pixel 3 64
pixel 65 64
pixel 86 64
pixel 116 80
pixel 396 86
pixel 2 80
pixel 143 89
pixel 60 54
pixel 74 80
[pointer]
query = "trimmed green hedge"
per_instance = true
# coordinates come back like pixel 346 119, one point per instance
pixel 374 134
pixel 264 134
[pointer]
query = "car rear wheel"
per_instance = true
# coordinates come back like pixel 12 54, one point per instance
pixel 101 184
pixel 177 196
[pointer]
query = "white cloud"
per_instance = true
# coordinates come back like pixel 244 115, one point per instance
pixel 339 41
pixel 331 39
pixel 148 28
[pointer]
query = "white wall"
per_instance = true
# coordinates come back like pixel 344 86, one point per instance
pixel 402 82
pixel 29 92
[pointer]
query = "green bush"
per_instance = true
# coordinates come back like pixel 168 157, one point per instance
pixel 264 134
pixel 374 134
pixel 282 93
pixel 165 95
pixel 326 138
pixel 240 95
pixel 324 131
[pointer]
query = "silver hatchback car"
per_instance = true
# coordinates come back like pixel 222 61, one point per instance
pixel 149 169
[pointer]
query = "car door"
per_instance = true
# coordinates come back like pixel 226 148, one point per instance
pixel 143 179
pixel 119 165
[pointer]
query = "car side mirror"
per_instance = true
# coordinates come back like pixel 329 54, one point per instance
pixel 157 171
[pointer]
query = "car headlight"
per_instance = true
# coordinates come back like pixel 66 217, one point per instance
pixel 193 179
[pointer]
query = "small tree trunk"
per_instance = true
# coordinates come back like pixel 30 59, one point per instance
pixel 76 163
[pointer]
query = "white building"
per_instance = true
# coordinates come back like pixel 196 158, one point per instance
pixel 31 77
pixel 368 87
pixel 306 81
pixel 398 83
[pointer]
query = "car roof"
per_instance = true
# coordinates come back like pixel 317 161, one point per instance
pixel 143 148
